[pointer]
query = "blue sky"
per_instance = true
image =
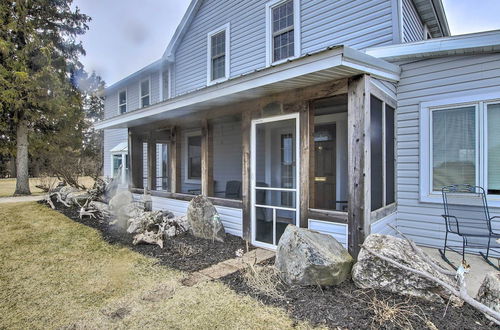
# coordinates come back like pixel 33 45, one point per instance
pixel 126 35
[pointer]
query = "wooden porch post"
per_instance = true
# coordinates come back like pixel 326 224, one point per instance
pixel 130 149
pixel 135 159
pixel 151 162
pixel 306 120
pixel 246 119
pixel 175 160
pixel 207 177
pixel 358 119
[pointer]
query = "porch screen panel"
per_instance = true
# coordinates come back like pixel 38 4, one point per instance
pixel 376 141
pixel 493 149
pixel 145 165
pixel 453 147
pixel 162 168
pixel 389 156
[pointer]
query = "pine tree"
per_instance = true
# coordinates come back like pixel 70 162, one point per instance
pixel 38 54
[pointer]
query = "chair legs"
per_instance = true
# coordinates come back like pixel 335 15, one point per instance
pixel 443 252
pixel 486 256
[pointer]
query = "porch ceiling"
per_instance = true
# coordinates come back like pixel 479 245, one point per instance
pixel 328 65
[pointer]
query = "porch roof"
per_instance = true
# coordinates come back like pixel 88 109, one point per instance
pixel 330 64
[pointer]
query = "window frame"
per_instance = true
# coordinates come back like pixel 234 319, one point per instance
pixel 149 92
pixel 123 156
pixel 269 31
pixel 121 104
pixel 227 29
pixel 185 156
pixel 480 102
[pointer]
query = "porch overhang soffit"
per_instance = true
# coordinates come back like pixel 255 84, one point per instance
pixel 328 65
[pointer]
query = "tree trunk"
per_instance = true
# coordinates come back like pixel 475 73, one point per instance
pixel 22 178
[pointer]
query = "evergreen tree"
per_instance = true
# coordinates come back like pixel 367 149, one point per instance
pixel 38 58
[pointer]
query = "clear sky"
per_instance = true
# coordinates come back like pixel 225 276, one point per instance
pixel 126 35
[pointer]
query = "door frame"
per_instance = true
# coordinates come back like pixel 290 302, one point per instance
pixel 253 146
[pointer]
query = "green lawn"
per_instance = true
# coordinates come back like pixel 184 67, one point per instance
pixel 57 273
pixel 8 186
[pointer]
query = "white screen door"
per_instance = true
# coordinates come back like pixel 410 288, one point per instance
pixel 275 172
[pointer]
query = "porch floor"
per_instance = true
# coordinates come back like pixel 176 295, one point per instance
pixel 478 267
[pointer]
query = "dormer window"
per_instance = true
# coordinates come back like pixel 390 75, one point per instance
pixel 122 101
pixel 145 100
pixel 218 55
pixel 283 29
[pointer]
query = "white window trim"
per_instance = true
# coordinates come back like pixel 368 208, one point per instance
pixel 480 101
pixel 164 97
pixel 187 135
pixel 126 101
pixel 296 26
pixel 124 170
pixel 149 91
pixel 227 29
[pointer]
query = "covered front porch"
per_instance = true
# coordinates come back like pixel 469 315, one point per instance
pixel 310 142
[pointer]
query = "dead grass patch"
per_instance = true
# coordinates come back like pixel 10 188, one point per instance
pixel 56 273
pixel 8 186
pixel 264 279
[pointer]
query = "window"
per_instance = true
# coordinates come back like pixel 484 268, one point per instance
pixel 283 29
pixel 145 101
pixel 218 55
pixel 193 156
pixel 382 154
pixel 122 101
pixel 460 145
pixel 162 167
pixel 117 165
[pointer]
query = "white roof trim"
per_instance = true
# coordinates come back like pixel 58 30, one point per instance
pixel 481 42
pixel 188 17
pixel 120 147
pixel 346 60
pixel 122 83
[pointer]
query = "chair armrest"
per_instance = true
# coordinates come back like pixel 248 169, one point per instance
pixel 447 217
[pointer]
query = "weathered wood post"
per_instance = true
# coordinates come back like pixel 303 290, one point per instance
pixel 246 120
pixel 175 160
pixel 358 119
pixel 306 119
pixel 207 177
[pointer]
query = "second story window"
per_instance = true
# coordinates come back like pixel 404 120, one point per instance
pixel 145 100
pixel 122 101
pixel 283 30
pixel 218 55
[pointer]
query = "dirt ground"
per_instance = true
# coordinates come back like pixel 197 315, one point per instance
pixel 8 186
pixel 348 307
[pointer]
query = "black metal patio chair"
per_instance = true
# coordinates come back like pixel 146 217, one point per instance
pixel 473 225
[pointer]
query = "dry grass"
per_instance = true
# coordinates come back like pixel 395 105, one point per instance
pixel 56 273
pixel 8 186
pixel 264 279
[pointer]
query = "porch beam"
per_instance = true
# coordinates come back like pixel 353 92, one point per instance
pixel 358 119
pixel 207 147
pixel 306 156
pixel 175 160
pixel 246 119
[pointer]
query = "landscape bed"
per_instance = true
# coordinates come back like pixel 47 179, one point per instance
pixel 348 307
pixel 184 252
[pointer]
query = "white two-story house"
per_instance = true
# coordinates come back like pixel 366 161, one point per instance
pixel 343 116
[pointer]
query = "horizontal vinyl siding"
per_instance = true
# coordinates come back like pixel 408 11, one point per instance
pixel 381 226
pixel 413 28
pixel 232 219
pixel 112 137
pixel 428 80
pixel 337 230
pixel 359 24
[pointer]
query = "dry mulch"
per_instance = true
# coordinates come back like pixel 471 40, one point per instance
pixel 184 252
pixel 348 307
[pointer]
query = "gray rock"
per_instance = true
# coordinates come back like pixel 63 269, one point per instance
pixel 101 207
pixel 121 199
pixel 204 220
pixel 489 291
pixel 144 221
pixel 306 257
pixel 372 272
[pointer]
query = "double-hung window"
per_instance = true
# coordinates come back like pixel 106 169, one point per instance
pixel 460 145
pixel 145 92
pixel 122 101
pixel 218 55
pixel 283 29
pixel 193 157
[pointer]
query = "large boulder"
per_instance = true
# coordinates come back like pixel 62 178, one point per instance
pixel 204 220
pixel 372 272
pixel 306 257
pixel 120 199
pixel 489 291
